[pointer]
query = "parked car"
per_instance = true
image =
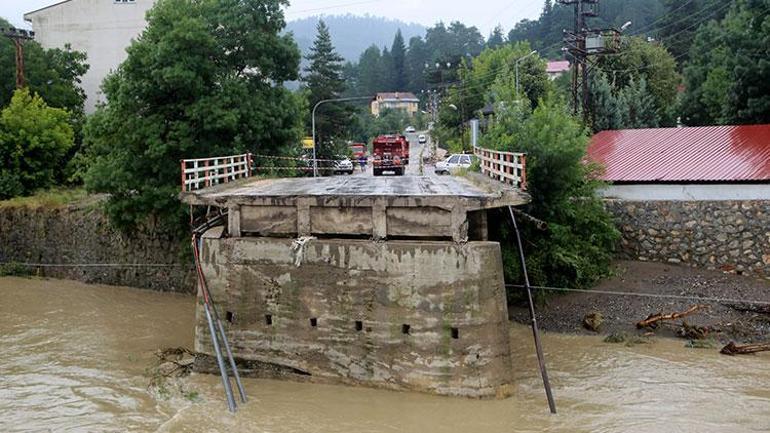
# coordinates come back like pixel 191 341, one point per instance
pixel 453 162
pixel 410 129
pixel 422 139
pixel 344 165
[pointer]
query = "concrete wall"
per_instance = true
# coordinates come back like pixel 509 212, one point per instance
pixel 424 316
pixel 688 192
pixel 103 29
pixel 728 235
pixel 81 234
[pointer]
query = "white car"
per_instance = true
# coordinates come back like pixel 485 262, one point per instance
pixel 410 129
pixel 453 162
pixel 422 139
pixel 343 166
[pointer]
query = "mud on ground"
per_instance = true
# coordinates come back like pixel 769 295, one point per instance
pixel 564 312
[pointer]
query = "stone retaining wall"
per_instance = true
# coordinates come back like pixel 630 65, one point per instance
pixel 81 234
pixel 732 236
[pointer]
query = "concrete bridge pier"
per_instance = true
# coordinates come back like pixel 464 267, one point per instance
pixel 396 288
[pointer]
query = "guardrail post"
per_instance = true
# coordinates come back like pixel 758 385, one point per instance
pixel 182 163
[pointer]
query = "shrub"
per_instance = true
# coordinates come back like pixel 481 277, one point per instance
pixel 576 249
pixel 34 139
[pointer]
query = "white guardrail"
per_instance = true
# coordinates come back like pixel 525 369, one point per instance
pixel 204 172
pixel 507 167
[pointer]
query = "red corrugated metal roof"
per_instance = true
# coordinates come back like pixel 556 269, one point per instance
pixel 696 154
pixel 557 66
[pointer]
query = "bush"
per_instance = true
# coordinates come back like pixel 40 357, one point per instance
pixel 34 139
pixel 576 250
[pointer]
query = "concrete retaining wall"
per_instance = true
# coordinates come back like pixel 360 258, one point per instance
pixel 424 316
pixel 732 236
pixel 81 234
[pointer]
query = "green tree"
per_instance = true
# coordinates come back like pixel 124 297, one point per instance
pixel 496 38
pixel 651 61
pixel 639 110
pixel 398 54
pixel 369 78
pixel 323 80
pixel 727 79
pixel 607 110
pixel 577 248
pixel 34 138
pixel 203 79
pixel 387 80
pixel 417 62
pixel 681 20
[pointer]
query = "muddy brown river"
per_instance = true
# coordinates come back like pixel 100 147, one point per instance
pixel 73 359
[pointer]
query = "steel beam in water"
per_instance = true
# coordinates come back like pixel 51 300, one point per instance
pixel 535 332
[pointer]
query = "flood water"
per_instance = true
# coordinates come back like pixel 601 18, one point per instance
pixel 73 359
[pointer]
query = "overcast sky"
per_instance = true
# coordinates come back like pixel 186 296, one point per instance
pixel 484 14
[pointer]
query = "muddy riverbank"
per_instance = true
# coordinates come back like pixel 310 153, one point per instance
pixel 564 312
pixel 75 357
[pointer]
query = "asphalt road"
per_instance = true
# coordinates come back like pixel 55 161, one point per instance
pixel 417 152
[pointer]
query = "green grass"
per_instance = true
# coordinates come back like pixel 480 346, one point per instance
pixel 50 198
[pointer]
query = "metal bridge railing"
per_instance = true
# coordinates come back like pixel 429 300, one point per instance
pixel 506 167
pixel 204 172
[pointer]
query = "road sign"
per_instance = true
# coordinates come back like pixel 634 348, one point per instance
pixel 307 143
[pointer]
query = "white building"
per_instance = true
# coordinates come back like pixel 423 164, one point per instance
pixel 103 29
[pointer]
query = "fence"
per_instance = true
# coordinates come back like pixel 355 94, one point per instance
pixel 507 167
pixel 204 172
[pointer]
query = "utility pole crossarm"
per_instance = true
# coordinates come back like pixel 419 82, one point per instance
pixel 18 36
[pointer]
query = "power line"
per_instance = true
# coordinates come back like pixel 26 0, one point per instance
pixel 94 265
pixel 648 295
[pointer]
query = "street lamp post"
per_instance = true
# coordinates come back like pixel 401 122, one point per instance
pixel 312 121
pixel 516 66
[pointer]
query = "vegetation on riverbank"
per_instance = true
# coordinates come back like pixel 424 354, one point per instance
pixel 48 198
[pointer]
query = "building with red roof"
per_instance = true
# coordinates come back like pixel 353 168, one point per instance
pixel 555 68
pixel 693 163
pixel 698 196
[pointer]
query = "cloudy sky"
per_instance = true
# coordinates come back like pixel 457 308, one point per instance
pixel 485 14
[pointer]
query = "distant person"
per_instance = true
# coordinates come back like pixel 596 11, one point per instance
pixel 362 161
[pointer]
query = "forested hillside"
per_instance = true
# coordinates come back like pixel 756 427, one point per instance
pixel 351 34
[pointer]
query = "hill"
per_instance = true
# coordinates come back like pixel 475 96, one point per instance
pixel 352 34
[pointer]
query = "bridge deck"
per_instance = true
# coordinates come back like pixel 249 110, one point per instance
pixel 380 207
pixel 475 191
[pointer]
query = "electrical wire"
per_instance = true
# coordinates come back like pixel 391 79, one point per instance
pixel 95 265
pixel 648 295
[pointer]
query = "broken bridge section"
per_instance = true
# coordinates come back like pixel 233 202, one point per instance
pixel 378 281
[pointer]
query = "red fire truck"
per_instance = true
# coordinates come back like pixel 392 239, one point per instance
pixel 391 153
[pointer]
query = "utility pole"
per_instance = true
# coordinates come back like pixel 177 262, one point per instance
pixel 312 121
pixel 583 43
pixel 516 67
pixel 19 37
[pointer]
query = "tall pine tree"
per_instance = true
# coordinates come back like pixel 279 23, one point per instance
pixel 323 80
pixel 398 54
pixel 496 38
pixel 369 77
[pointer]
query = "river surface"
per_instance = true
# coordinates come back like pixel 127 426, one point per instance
pixel 73 359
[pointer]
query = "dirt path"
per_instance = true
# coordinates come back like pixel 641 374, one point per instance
pixel 565 312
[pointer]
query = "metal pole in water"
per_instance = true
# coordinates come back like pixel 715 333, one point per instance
pixel 212 330
pixel 225 343
pixel 535 332
pixel 220 361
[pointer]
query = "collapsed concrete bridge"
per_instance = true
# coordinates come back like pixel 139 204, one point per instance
pixel 388 282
